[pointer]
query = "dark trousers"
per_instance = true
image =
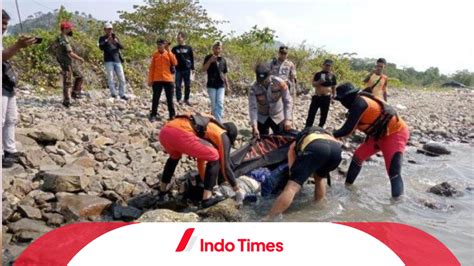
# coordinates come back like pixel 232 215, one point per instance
pixel 317 102
pixel 72 81
pixel 158 86
pixel 265 127
pixel 184 75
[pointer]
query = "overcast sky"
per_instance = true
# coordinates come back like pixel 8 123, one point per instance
pixel 415 33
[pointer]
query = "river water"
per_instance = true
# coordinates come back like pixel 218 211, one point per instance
pixel 369 199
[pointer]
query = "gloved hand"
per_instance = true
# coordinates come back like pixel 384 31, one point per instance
pixel 239 196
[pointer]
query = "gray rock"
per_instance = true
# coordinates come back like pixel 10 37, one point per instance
pixel 65 146
pixel 124 189
pixel 11 252
pixel 110 183
pixel 101 157
pixel 28 225
pixel 47 134
pixel 102 141
pixel 164 215
pixel 15 170
pixel 113 196
pixel 36 158
pixel 445 189
pixel 77 206
pixel 21 187
pixel 58 159
pixel 54 219
pixel 6 238
pixel 125 213
pixel 85 162
pixel 7 212
pixel 145 201
pixel 42 197
pixel 64 180
pixel 436 148
pixel 29 212
pixel 7 181
pixel 27 236
pixel 223 211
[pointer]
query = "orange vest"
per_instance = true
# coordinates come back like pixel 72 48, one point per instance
pixel 213 135
pixel 372 113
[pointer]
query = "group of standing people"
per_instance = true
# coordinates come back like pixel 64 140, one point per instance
pixel 314 152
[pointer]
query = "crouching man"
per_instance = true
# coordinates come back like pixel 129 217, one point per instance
pixel 314 152
pixel 205 139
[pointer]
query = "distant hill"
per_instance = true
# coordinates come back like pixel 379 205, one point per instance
pixel 47 21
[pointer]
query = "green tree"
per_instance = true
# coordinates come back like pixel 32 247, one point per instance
pixel 256 36
pixel 464 76
pixel 165 18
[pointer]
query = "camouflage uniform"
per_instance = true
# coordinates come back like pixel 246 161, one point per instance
pixel 69 69
pixel 273 102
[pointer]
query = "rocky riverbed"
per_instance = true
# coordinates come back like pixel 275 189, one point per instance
pixel 99 160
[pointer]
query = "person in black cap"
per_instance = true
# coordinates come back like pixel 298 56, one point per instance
pixel 324 83
pixel 270 103
pixel 385 131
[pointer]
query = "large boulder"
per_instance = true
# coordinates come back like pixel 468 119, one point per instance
pixel 224 211
pixel 165 215
pixel 74 207
pixel 64 180
pixel 28 225
pixel 47 134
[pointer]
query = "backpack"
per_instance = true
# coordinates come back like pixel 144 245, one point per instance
pixel 199 123
pixel 378 128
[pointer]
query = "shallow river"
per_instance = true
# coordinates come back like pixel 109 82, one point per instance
pixel 369 199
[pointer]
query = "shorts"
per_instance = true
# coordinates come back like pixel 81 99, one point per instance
pixel 320 157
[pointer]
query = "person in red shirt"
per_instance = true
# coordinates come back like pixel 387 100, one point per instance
pixel 161 77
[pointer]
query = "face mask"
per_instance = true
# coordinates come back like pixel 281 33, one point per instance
pixel 69 34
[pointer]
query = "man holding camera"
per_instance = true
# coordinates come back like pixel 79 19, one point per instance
pixel 66 56
pixel 324 83
pixel 110 44
pixel 9 82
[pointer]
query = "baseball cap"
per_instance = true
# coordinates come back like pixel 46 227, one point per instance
pixel 262 71
pixel 66 25
pixel 108 25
